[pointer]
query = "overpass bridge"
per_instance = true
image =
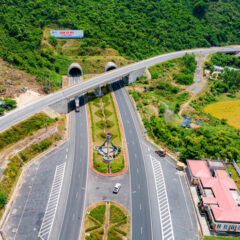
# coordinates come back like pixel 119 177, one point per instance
pixel 61 98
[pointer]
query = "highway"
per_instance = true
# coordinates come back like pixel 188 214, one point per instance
pixel 22 113
pixel 26 215
pixel 140 216
pixel 75 200
pixel 146 221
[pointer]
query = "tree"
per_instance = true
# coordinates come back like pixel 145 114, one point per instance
pixel 2 110
pixel 177 108
pixel 2 200
pixel 52 40
pixel 200 8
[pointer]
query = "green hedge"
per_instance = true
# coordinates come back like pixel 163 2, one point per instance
pixel 92 228
pixel 116 214
pixel 99 213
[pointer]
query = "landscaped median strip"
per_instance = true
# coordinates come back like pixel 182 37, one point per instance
pixel 106 220
pixel 95 132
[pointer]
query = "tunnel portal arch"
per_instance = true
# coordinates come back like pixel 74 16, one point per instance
pixel 75 70
pixel 110 66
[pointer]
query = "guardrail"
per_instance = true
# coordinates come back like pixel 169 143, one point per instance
pixel 236 168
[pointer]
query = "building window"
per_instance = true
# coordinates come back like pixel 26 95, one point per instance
pixel 238 227
pixel 225 227
pixel 219 226
pixel 232 227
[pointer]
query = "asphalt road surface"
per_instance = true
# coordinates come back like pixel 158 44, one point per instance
pixel 27 212
pixel 22 113
pixel 140 215
pixel 181 212
pixel 75 203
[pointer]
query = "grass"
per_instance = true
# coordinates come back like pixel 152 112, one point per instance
pixel 99 213
pixel 235 176
pixel 13 169
pixel 98 130
pixel 32 151
pixel 220 238
pixel 91 59
pixel 24 129
pixel 116 214
pixel 229 110
pixel 118 222
pixel 161 87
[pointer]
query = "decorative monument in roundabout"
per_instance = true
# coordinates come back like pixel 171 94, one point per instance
pixel 108 150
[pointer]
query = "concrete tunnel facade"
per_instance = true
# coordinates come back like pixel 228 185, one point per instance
pixel 75 70
pixel 110 66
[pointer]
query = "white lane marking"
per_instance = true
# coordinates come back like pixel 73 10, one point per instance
pixel 140 206
pixel 185 199
pixel 141 230
pixel 163 205
pixel 67 150
pixel 25 205
pixel 66 156
pixel 51 209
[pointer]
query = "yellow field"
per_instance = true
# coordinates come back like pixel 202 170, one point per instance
pixel 229 110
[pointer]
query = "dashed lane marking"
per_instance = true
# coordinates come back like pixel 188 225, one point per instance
pixel 51 209
pixel 163 205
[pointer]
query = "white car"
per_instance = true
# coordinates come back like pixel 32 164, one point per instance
pixel 116 188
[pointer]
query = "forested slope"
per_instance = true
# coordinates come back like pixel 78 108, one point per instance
pixel 137 29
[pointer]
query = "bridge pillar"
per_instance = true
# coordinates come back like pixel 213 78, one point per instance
pixel 133 76
pixel 98 91
pixel 61 106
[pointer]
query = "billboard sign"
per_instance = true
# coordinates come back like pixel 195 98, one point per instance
pixel 67 33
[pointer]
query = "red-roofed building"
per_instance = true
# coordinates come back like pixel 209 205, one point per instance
pixel 219 196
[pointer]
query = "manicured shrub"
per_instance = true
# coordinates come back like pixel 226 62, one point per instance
pixel 99 213
pixel 116 214
pixel 100 124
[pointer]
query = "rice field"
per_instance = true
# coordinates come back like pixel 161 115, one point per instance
pixel 229 110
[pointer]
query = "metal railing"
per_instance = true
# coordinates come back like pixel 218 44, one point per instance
pixel 236 168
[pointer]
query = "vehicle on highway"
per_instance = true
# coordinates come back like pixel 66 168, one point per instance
pixel 180 166
pixel 117 188
pixel 161 152
pixel 77 106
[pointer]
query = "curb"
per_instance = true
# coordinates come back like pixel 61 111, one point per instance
pixel 195 209
pixel 91 146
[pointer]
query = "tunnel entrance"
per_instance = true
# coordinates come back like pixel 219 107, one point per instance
pixel 110 66
pixel 75 70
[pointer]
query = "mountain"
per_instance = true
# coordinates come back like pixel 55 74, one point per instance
pixel 137 29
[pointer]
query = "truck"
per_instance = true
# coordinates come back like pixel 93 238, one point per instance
pixel 77 106
pixel 161 152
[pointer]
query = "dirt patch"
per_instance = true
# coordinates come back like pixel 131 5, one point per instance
pixel 65 82
pixel 154 109
pixel 13 81
pixel 28 97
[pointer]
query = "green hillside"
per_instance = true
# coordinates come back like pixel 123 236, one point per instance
pixel 137 29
